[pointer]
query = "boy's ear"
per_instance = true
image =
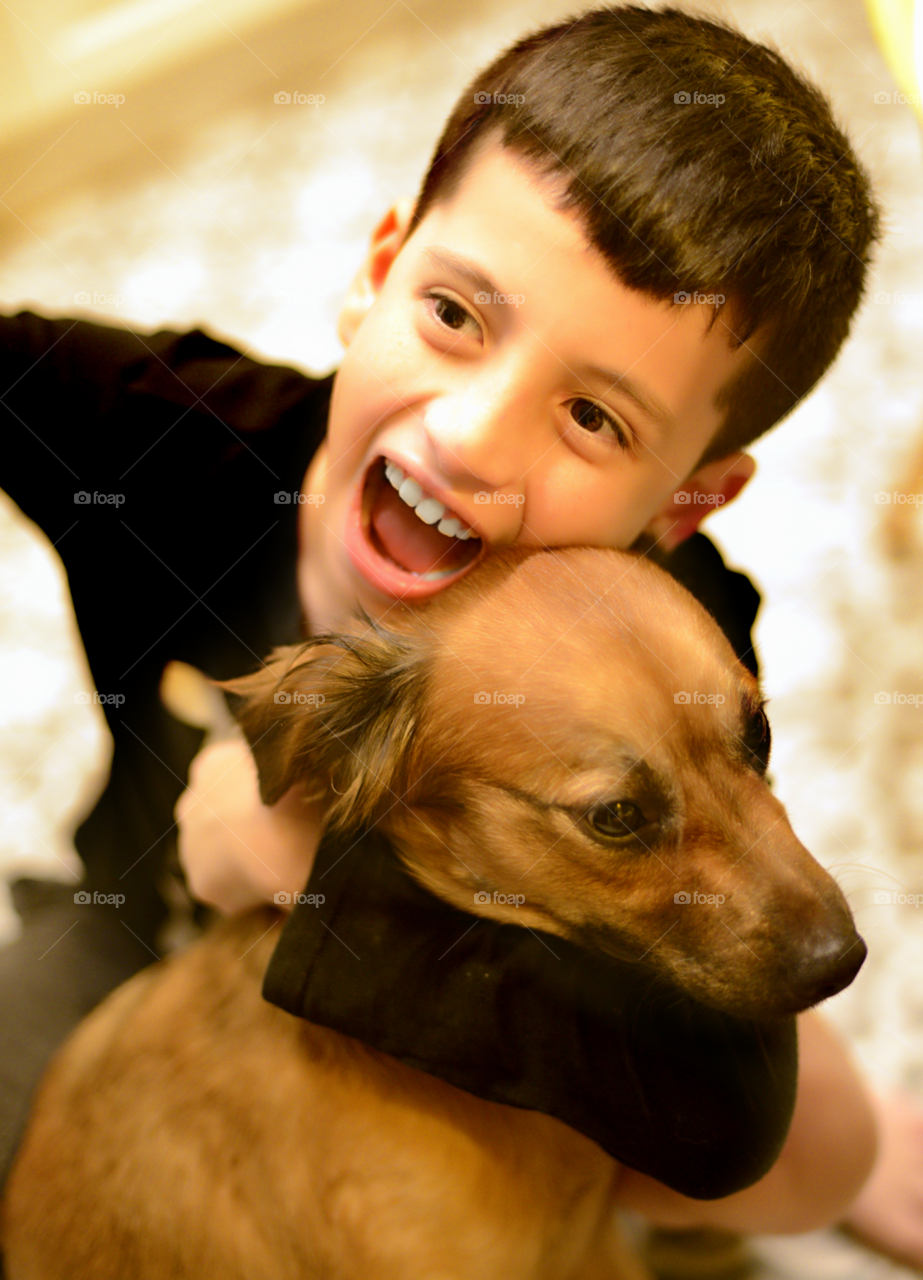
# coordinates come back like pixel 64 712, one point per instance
pixel 712 486
pixel 384 246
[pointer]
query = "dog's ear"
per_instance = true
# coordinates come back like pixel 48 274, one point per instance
pixel 337 714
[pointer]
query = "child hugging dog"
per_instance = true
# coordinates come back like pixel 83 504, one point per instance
pixel 608 286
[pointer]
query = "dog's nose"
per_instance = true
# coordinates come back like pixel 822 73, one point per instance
pixel 828 967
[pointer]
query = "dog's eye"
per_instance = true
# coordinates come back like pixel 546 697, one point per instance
pixel 616 820
pixel 757 740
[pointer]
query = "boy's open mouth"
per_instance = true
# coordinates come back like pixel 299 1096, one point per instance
pixel 412 543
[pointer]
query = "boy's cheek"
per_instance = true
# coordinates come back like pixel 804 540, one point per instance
pixel 366 397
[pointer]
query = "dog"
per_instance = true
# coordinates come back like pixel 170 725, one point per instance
pixel 568 728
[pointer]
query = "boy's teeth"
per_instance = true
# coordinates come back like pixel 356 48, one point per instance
pixel 430 510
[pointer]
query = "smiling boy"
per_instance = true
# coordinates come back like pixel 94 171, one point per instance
pixel 567 417
pixel 524 365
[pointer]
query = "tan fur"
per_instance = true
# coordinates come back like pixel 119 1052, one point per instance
pixel 190 1130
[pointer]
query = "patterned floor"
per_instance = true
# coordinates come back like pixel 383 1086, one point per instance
pixel 253 221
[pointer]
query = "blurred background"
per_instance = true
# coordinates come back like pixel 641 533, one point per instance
pixel 157 170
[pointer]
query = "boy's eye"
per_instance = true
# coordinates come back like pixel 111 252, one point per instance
pixel 450 313
pixel 593 417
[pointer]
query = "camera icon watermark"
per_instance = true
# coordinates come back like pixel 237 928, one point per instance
pixel 884 698
pixel 685 296
pixel 97 299
pixel 285 499
pixel 484 299
pixel 483 498
pixel 687 497
pixel 883 498
pixel 84 698
pixel 284 99
pixel 82 898
pixel 483 898
pixel 483 699
pixel 892 897
pixel 883 98
pixel 97 99
pixel 685 98
pixel 482 99
pixel 84 499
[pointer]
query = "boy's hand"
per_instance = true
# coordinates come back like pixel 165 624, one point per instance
pixel 888 1213
pixel 235 851
pixel 827 1157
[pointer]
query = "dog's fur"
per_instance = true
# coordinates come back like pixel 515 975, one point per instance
pixel 570 726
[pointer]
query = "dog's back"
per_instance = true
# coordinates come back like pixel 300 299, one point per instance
pixel 190 1129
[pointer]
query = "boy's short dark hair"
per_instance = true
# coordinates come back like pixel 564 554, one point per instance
pixel 758 197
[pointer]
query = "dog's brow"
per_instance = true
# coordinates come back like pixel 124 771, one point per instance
pixel 621 769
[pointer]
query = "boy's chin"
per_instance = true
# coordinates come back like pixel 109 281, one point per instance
pixel 394 552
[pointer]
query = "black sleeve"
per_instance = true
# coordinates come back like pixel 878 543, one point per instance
pixel 154 462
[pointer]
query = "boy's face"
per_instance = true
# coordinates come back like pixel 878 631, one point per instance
pixel 470 366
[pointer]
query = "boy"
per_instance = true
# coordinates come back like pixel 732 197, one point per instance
pixel 610 284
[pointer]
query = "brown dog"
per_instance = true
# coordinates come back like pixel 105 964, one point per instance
pixel 569 728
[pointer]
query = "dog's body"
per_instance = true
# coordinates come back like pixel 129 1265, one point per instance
pixel 189 1129
pixel 218 1136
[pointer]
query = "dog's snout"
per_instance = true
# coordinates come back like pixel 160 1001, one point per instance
pixel 828 966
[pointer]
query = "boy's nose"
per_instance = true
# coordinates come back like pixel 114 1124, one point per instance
pixel 479 440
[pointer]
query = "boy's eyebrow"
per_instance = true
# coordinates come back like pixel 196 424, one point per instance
pixel 655 409
pixel 482 283
pixel 463 267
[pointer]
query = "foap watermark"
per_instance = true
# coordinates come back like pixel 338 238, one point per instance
pixel 97 299
pixel 484 299
pixel 884 299
pixel 482 99
pixel 882 498
pixel 698 499
pixel 83 898
pixel 885 99
pixel 891 897
pixel 97 99
pixel 684 899
pixel 483 898
pixel 685 698
pixel 85 697
pixel 500 499
pixel 285 499
pixel 297 99
pixel 298 697
pixel 885 699
pixel 692 98
pixel 685 296
pixel 284 899
pixel 483 698
pixel 84 499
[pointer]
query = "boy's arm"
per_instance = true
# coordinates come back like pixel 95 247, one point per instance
pixel 826 1159
pixel 155 417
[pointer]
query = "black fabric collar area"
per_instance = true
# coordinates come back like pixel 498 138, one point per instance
pixel 696 1099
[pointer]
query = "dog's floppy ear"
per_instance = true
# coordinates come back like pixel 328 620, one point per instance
pixel 337 713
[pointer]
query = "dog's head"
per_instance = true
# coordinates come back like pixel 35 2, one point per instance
pixel 566 741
